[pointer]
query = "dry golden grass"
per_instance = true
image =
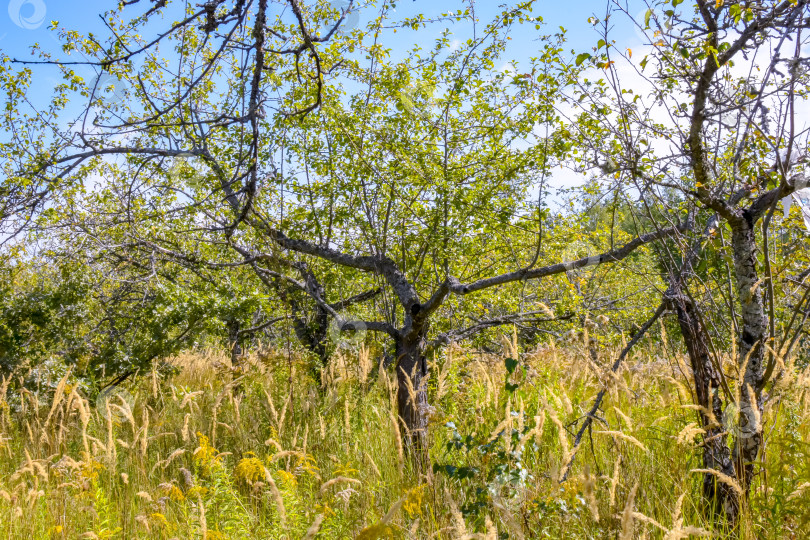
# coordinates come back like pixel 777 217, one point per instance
pixel 266 453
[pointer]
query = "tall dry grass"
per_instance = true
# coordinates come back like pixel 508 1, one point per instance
pixel 209 453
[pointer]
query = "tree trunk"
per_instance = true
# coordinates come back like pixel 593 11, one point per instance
pixel 314 335
pixel 751 351
pixel 412 387
pixel 737 463
pixel 311 326
pixel 234 345
pixel 722 499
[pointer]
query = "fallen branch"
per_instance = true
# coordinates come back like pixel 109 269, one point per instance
pixel 586 424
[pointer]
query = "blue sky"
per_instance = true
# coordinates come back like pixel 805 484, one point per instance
pixel 26 22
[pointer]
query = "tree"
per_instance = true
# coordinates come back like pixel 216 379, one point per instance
pixel 718 126
pixel 411 202
pixel 427 163
pixel 135 107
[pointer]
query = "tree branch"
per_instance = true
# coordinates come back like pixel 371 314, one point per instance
pixel 613 255
pixel 601 395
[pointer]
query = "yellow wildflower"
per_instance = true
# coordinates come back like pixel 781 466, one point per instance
pixel 325 510
pixel 308 464
pixel 413 501
pixel 197 491
pixel 173 492
pixel 205 456
pixel 345 470
pixel 160 519
pixel 288 479
pixel 376 531
pixel 90 468
pixel 249 469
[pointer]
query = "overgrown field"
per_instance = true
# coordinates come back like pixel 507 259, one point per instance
pixel 203 452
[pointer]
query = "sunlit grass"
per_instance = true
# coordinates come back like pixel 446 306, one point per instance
pixel 206 453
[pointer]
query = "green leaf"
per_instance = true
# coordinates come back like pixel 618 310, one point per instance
pixel 600 44
pixel 736 13
pixel 582 57
pixel 511 364
pixel 749 15
pixel 647 18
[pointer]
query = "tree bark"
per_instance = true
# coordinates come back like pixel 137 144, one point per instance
pixel 737 463
pixel 751 350
pixel 722 499
pixel 234 344
pixel 412 377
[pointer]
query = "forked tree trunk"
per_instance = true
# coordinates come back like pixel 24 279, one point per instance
pixel 412 402
pixel 737 463
pixel 721 498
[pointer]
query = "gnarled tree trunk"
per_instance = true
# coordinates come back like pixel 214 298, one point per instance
pixel 737 463
pixel 412 373
pixel 723 500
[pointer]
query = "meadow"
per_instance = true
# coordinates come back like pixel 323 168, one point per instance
pixel 198 450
